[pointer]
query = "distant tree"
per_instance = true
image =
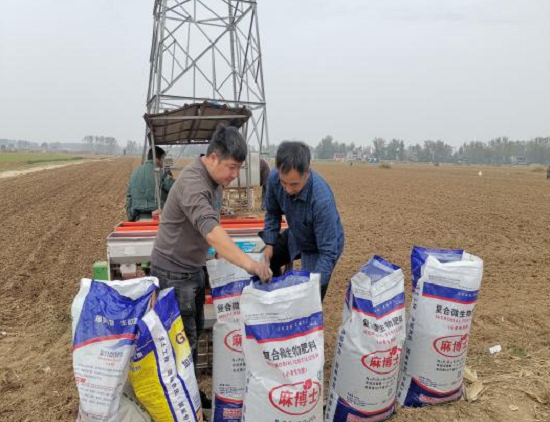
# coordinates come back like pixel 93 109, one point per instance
pixel 393 149
pixel 379 148
pixel 414 152
pixel 111 145
pixel 132 148
pixel 101 144
pixel 401 150
pixel 89 142
pixel 326 148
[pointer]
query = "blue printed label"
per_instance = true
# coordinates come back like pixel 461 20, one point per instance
pixel 280 331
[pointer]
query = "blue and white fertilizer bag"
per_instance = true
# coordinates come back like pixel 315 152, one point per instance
pixel 104 326
pixel 439 327
pixel 283 346
pixel 162 373
pixel 228 377
pixel 365 370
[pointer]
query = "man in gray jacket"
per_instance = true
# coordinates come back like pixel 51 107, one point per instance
pixel 190 224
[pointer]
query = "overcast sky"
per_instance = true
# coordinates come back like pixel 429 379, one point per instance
pixel 455 70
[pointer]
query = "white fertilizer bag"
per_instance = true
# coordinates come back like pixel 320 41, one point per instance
pixel 365 370
pixel 283 347
pixel 228 378
pixel 162 373
pixel 439 330
pixel 105 314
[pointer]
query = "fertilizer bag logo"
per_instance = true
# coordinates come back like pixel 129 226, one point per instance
pixel 451 346
pixel 234 341
pixel 296 399
pixel 180 338
pixel 382 361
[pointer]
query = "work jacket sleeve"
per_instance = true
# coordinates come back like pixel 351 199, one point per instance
pixel 327 234
pixel 273 213
pixel 197 207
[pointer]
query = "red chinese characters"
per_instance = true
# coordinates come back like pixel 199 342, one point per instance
pixel 451 346
pixel 383 361
pixel 234 341
pixel 296 399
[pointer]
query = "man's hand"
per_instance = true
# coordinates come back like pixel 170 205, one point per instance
pixel 226 248
pixel 261 269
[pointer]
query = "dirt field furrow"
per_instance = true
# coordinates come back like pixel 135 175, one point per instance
pixel 55 231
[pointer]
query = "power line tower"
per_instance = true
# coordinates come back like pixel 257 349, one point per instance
pixel 209 50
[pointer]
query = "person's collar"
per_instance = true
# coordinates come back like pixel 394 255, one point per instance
pixel 203 168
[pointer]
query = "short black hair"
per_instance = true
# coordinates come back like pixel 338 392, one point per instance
pixel 159 152
pixel 228 142
pixel 293 155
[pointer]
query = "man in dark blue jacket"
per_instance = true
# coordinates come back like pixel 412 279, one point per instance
pixel 315 233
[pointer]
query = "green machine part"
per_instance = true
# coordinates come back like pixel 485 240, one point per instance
pixel 100 270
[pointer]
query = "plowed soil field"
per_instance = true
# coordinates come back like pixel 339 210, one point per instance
pixel 54 225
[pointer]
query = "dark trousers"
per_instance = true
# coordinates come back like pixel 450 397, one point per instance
pixel 281 258
pixel 189 289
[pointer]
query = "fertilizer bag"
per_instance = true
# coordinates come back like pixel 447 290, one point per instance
pixel 228 378
pixel 105 314
pixel 365 369
pixel 439 330
pixel 283 347
pixel 162 373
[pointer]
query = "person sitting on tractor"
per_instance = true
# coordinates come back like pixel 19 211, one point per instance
pixel 141 192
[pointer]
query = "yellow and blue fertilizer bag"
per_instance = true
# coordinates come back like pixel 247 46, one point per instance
pixel 162 373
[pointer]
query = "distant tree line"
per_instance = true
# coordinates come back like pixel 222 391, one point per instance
pixel 327 147
pixel 500 150
pixel 101 144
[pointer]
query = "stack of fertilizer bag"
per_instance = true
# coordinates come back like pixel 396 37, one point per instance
pixel 119 328
pixel 375 365
pixel 268 346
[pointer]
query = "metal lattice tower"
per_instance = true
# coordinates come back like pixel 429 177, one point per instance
pixel 209 50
